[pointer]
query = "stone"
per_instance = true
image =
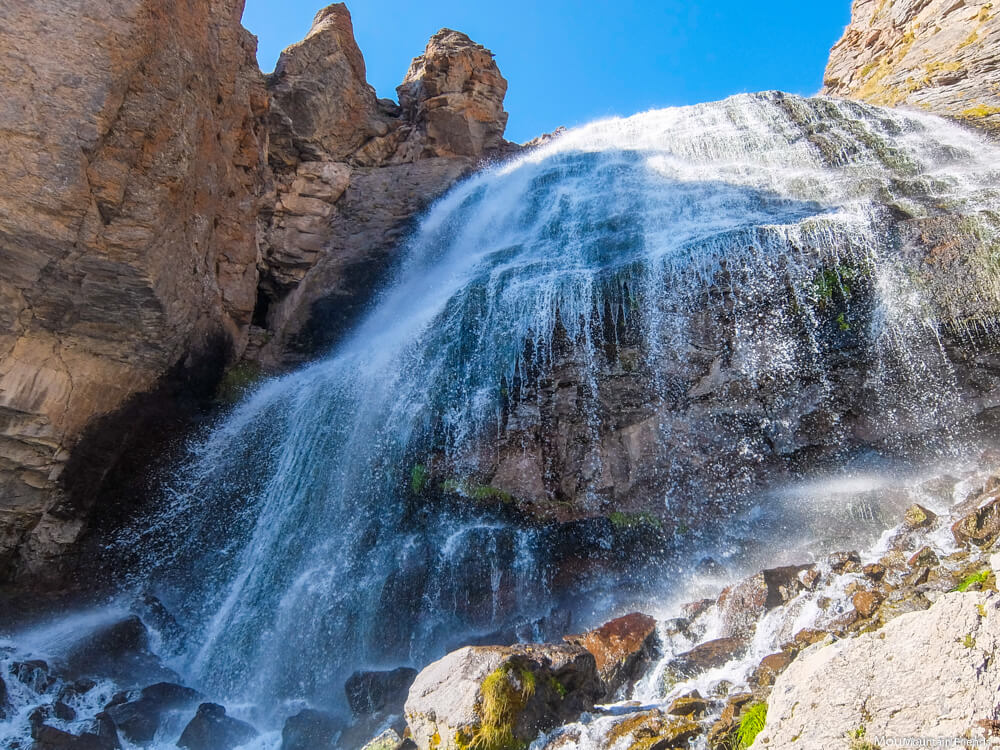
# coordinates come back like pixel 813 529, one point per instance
pixel 370 692
pixel 980 527
pixel 923 557
pixel 844 562
pixel 528 689
pixel 622 649
pixel 886 679
pixel 141 158
pixel 310 730
pixel 139 719
pixel 934 55
pixel 692 705
pixel 769 668
pixel 388 740
pixel 918 517
pixel 874 571
pixel 211 729
pixel 652 730
pixel 865 602
pixel 742 605
pixel 701 658
pixel 63 711
pixel 119 651
pixel 33 673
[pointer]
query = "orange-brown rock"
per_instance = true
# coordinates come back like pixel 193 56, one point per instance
pixel 130 163
pixel 622 648
pixel 936 55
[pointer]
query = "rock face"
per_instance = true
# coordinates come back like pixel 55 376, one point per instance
pixel 938 55
pixel 505 694
pixel 925 674
pixel 350 172
pixel 165 206
pixel 132 155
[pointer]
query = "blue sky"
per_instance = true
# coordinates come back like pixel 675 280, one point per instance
pixel 569 62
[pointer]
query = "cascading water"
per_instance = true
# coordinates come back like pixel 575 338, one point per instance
pixel 293 546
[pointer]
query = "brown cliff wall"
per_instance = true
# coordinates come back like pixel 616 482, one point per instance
pixel 164 204
pixel 131 161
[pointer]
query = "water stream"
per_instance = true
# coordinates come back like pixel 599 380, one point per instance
pixel 292 546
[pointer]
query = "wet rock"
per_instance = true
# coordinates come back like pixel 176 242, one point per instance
pixel 701 658
pixel 653 730
pixel 874 571
pixel 369 692
pixel 769 668
pixel 807 637
pixel 104 729
pixel 918 517
pixel 120 651
pixel 889 677
pixel 3 699
pixel 924 557
pixel 741 606
pixel 63 711
pixel 691 705
pixel 33 673
pixel 622 649
pixel 844 562
pixel 50 738
pixel 980 527
pixel 76 688
pixel 211 729
pixel 310 730
pixel 693 609
pixel 139 719
pixel 720 734
pixel 509 692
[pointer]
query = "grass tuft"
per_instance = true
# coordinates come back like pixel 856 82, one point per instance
pixel 751 724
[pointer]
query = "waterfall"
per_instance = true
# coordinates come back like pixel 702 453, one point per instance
pixel 761 236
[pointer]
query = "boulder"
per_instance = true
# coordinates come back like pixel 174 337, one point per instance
pixel 622 649
pixel 980 527
pixel 34 673
pixel 701 658
pixel 370 692
pixel 653 730
pixel 388 740
pixel 742 605
pixel 310 730
pixel 139 719
pixel 918 517
pixel 887 679
pixel 119 651
pixel 211 729
pixel 500 695
pixel 769 668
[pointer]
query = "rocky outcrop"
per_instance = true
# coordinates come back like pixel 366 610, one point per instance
pixel 925 674
pixel 350 172
pixel 499 696
pixel 937 55
pixel 131 158
pixel 166 207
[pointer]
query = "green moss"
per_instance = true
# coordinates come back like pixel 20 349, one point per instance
pixel 972 580
pixel 752 723
pixel 831 282
pixel 238 381
pixel 623 520
pixel 483 493
pixel 558 687
pixel 503 695
pixel 842 322
pixel 418 478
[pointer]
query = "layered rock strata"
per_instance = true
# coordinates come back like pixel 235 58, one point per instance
pixel 936 55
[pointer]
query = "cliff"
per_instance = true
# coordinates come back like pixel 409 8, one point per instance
pixel 936 55
pixel 166 204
